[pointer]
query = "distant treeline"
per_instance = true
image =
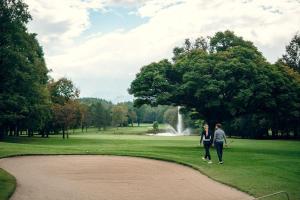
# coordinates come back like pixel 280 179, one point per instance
pixel 101 113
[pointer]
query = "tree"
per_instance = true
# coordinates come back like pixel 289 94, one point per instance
pixel 155 126
pixel 64 116
pixel 119 115
pixel 100 116
pixel 140 112
pixel 132 117
pixel 170 116
pixel 62 90
pixel 23 72
pixel 232 83
pixel 292 56
pixel 64 107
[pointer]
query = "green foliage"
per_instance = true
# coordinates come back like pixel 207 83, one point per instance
pixel 292 56
pixel 62 91
pixel 155 126
pixel 23 72
pixel 100 115
pixel 231 83
pixel 89 101
pixel 119 115
pixel 170 116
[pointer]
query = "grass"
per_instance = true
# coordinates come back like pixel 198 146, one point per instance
pixel 257 167
pixel 7 185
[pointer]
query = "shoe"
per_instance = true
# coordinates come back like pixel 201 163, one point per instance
pixel 204 159
pixel 221 162
pixel 209 162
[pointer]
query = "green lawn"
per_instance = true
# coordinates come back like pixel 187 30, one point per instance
pixel 258 167
pixel 7 185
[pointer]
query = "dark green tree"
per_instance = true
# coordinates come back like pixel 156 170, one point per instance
pixel 232 83
pixel 292 56
pixel 23 72
pixel 100 115
pixel 62 90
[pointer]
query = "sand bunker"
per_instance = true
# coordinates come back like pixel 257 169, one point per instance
pixel 111 178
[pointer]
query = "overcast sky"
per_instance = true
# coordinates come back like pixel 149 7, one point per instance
pixel 102 44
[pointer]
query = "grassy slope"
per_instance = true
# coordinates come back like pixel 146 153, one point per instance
pixel 7 185
pixel 255 166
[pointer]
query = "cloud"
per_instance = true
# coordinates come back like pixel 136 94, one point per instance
pixel 103 65
pixel 58 22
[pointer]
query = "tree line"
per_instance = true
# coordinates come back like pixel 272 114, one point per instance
pixel 32 102
pixel 226 79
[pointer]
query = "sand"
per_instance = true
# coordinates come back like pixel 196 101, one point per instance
pixel 111 178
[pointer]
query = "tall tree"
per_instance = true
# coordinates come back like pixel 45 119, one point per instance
pixel 23 71
pixel 62 90
pixel 119 115
pixel 232 81
pixel 292 56
pixel 64 108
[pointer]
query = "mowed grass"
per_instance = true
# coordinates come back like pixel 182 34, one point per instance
pixel 257 167
pixel 7 185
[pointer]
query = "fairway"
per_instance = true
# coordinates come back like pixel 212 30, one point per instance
pixel 257 167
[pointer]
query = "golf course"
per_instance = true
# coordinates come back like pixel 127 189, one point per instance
pixel 257 167
pixel 149 100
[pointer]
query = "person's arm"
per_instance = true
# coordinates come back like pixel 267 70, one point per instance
pixel 201 138
pixel 214 137
pixel 225 138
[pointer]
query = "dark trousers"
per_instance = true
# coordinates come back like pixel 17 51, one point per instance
pixel 206 147
pixel 219 148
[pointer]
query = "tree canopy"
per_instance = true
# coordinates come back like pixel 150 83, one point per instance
pixel 292 56
pixel 23 72
pixel 225 80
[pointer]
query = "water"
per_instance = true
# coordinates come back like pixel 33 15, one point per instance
pixel 179 121
pixel 179 131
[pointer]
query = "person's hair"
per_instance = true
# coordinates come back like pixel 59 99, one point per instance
pixel 205 125
pixel 219 125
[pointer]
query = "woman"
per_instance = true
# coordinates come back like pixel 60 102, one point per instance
pixel 206 137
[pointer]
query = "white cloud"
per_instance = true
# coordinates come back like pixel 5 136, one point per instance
pixel 58 22
pixel 104 64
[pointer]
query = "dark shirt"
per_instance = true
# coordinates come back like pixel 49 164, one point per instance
pixel 206 138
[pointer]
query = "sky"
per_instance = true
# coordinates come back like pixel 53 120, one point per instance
pixel 101 44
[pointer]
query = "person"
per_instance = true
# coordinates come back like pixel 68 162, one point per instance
pixel 219 139
pixel 206 137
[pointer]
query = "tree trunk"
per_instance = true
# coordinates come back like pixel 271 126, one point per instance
pixel 2 133
pixel 296 132
pixel 63 132
pixel 47 132
pixel 10 131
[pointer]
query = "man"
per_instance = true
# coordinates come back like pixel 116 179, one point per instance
pixel 219 139
pixel 206 137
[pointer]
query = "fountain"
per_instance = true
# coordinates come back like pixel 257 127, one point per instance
pixel 179 121
pixel 179 131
